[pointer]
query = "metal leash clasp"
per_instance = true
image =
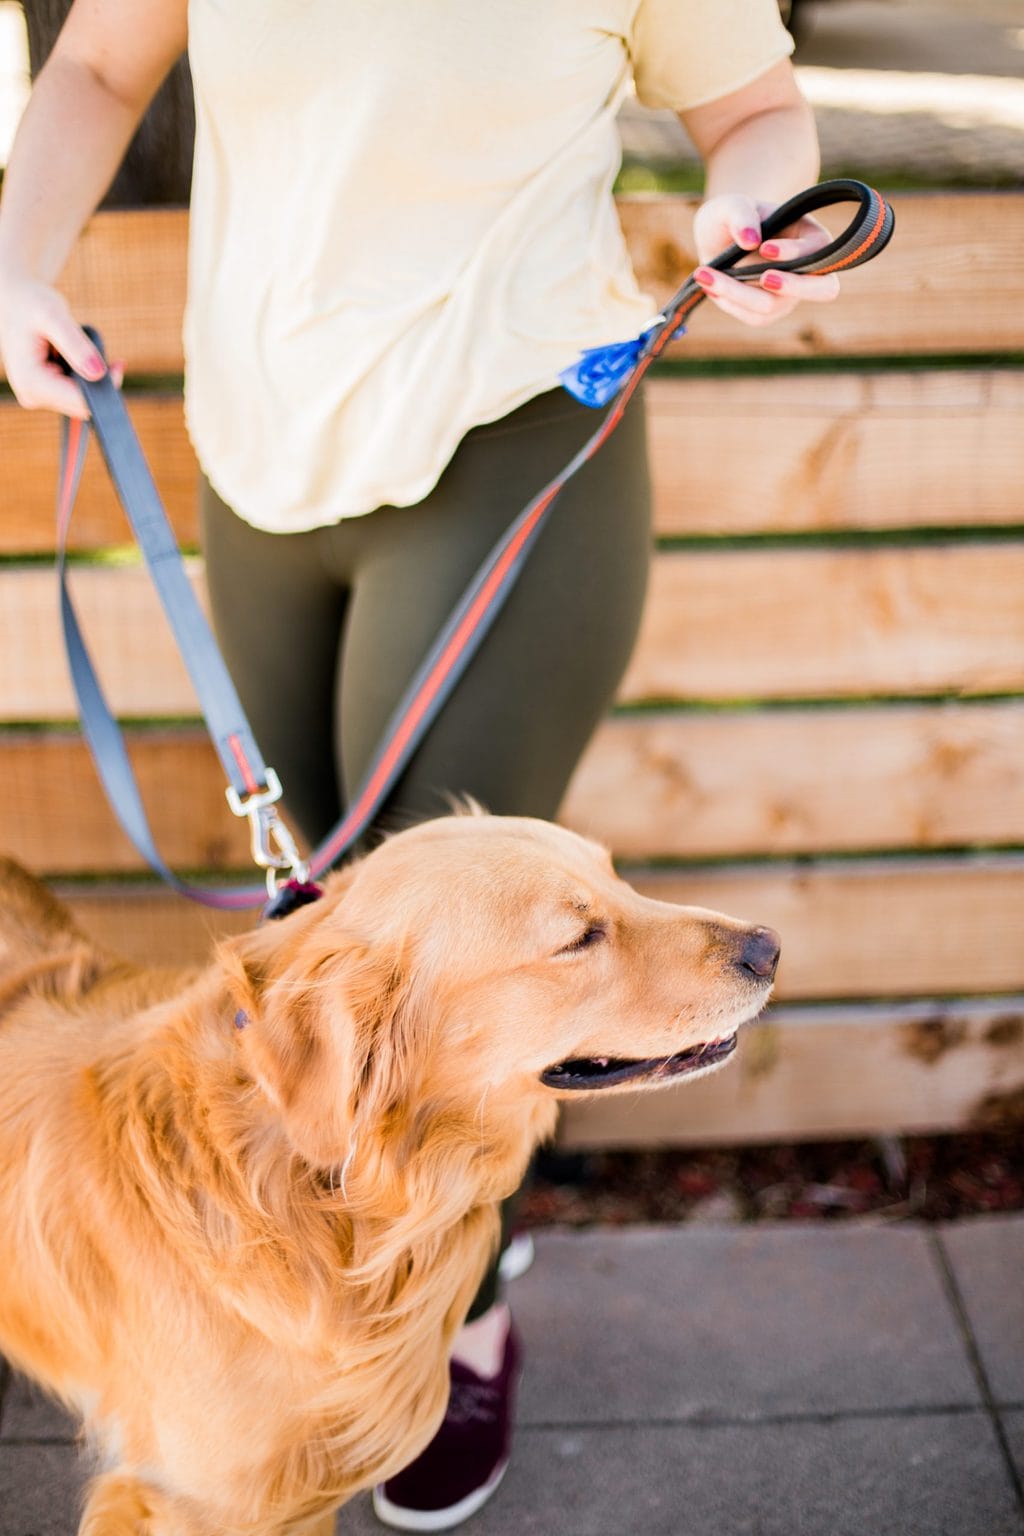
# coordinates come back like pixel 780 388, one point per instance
pixel 272 845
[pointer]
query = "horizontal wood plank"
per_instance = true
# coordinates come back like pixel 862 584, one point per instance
pixel 784 453
pixel 127 276
pixel 874 928
pixel 807 1073
pixel 858 928
pixel 803 781
pixel 30 453
pixel 719 625
pixel 803 453
pixel 688 786
pixel 131 645
pixel 60 820
pixel 823 622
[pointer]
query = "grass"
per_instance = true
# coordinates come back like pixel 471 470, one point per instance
pixel 671 176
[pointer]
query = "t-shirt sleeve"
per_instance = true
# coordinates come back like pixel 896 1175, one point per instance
pixel 688 52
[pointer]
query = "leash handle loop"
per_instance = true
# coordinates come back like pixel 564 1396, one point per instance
pixel 868 232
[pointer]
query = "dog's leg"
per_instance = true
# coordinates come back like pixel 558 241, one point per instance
pixel 119 1505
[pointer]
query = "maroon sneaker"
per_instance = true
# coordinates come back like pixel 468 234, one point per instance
pixel 466 1460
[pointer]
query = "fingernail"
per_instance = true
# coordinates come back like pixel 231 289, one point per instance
pixel 772 280
pixel 749 236
pixel 93 366
pixel 704 276
pixel 769 248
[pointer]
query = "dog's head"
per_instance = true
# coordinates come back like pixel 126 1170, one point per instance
pixel 472 971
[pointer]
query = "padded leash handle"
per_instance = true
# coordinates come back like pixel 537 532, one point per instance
pixel 250 781
pixel 868 233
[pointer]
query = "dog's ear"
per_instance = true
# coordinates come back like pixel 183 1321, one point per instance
pixel 316 1013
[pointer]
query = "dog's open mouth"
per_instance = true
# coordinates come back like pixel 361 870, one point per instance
pixel 593 1072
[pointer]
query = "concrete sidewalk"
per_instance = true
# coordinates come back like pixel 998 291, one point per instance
pixel 839 1380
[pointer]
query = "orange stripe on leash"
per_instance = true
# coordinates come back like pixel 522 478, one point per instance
pixel 243 765
pixel 864 245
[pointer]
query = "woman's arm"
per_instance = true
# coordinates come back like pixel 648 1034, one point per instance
pixel 88 100
pixel 759 146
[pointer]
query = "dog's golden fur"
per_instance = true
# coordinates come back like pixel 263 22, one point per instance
pixel 245 1209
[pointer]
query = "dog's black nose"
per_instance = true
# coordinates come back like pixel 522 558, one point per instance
pixel 759 952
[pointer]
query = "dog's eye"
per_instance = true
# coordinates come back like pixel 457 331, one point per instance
pixel 593 935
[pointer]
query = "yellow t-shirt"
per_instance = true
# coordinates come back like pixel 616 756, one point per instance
pixel 402 223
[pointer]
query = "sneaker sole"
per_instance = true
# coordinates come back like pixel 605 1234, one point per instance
pixel 517 1257
pixel 401 1519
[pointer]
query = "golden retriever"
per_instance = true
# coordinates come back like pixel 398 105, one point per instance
pixel 246 1208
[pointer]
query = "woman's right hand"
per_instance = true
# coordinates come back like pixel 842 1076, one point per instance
pixel 35 322
pixel 87 101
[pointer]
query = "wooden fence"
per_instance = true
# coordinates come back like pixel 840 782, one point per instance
pixel 823 725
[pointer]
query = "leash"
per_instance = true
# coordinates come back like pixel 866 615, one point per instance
pixel 601 374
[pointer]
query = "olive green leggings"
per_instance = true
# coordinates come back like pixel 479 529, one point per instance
pixel 322 630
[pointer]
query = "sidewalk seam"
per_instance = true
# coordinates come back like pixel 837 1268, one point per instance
pixel 767 1421
pixel 991 1407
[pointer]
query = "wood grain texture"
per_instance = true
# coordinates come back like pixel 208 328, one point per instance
pixel 807 1073
pixel 30 453
pixel 874 927
pixel 950 281
pixel 805 453
pixel 831 622
pixel 720 624
pixel 61 822
pixel 859 928
pixel 782 453
pixel 132 647
pixel 685 786
pixel 793 781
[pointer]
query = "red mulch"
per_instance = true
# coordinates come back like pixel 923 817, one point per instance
pixel 929 1178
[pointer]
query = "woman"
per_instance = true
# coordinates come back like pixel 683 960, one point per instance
pixel 401 232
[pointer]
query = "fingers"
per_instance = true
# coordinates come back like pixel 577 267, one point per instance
pixel 775 295
pixel 742 301
pixel 733 219
pixel 60 329
pixel 729 219
pixel 808 236
pixel 802 286
pixel 45 387
pixel 43 325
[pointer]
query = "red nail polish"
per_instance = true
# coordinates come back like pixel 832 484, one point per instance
pixel 769 248
pixel 772 280
pixel 704 276
pixel 749 236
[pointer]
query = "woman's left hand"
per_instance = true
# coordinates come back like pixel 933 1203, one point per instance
pixel 733 219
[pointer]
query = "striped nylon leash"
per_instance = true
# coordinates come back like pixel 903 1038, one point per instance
pixel 253 788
